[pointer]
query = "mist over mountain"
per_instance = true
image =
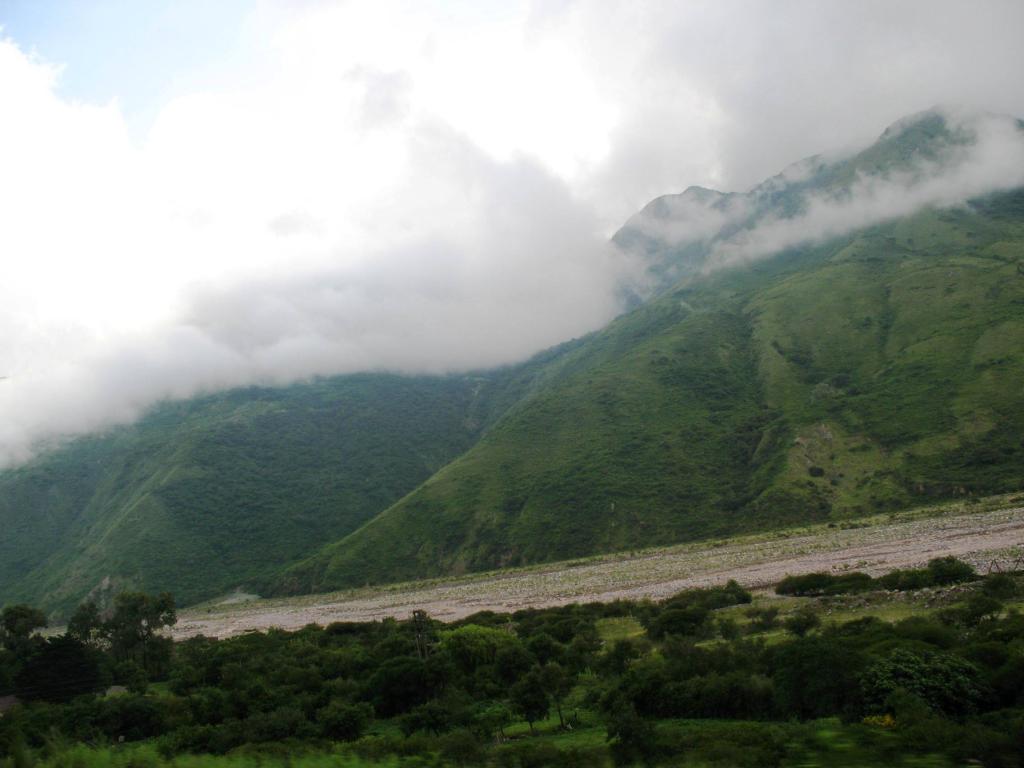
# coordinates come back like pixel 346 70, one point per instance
pixel 408 382
pixel 872 372
pixel 844 338
pixel 319 188
pixel 942 157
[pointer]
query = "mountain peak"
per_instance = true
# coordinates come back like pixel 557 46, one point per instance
pixel 941 156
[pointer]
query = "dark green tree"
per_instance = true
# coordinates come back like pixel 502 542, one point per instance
pixel 343 721
pixel 17 625
pixel 632 737
pixel 802 621
pixel 557 685
pixel 60 670
pixel 949 570
pixel 945 682
pixel 86 624
pixel 816 676
pixel 133 630
pixel 399 685
pixel 529 698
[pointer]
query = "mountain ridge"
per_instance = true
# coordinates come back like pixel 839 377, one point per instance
pixel 788 386
pixel 845 374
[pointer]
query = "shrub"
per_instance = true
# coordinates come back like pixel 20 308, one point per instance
pixel 926 630
pixel 711 598
pixel 342 721
pixel 906 580
pixel 762 619
pixel 689 621
pixel 948 570
pixel 807 584
pixel 1001 586
pixel 946 683
pixel 815 676
pixel 802 621
pixel 818 584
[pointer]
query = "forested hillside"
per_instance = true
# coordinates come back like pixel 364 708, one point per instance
pixel 212 494
pixel 864 374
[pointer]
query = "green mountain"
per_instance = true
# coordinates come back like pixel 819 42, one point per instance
pixel 747 391
pixel 865 373
pixel 221 492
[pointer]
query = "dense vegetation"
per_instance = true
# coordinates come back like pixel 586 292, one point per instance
pixel 208 495
pixel 708 677
pixel 941 572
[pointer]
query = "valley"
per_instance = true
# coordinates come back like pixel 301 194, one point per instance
pixel 872 370
pixel 982 532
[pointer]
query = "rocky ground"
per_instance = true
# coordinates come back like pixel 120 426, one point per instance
pixel 989 534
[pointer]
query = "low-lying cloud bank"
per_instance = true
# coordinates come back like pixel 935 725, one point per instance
pixel 524 269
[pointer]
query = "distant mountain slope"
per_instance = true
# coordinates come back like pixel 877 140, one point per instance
pixel 879 368
pixel 211 494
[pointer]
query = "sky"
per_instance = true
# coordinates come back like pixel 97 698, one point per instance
pixel 202 195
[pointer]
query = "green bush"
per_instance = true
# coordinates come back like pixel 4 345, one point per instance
pixel 948 684
pixel 818 584
pixel 950 570
pixel 1001 586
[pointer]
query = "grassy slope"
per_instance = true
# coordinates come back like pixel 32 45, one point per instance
pixel 204 496
pixel 851 377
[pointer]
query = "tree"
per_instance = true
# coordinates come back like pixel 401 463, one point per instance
pixel 1001 586
pixel 632 737
pixel 86 624
pixel 17 623
pixel 512 662
pixel 60 670
pixel 434 716
pixel 529 699
pixel 423 633
pixel 762 619
pixel 691 620
pixel 398 685
pixel 802 621
pixel 949 570
pixel 981 607
pixel 945 682
pixel 490 719
pixel 342 721
pixel 132 630
pixel 815 676
pixel 473 646
pixel 557 685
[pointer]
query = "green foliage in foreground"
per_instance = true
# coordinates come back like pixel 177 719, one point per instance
pixel 541 688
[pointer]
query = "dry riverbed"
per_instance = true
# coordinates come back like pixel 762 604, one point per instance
pixel 983 533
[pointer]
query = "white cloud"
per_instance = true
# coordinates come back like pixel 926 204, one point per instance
pixel 993 161
pixel 417 186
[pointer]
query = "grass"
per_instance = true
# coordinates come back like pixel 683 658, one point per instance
pixel 619 628
pixel 704 742
pixel 146 756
